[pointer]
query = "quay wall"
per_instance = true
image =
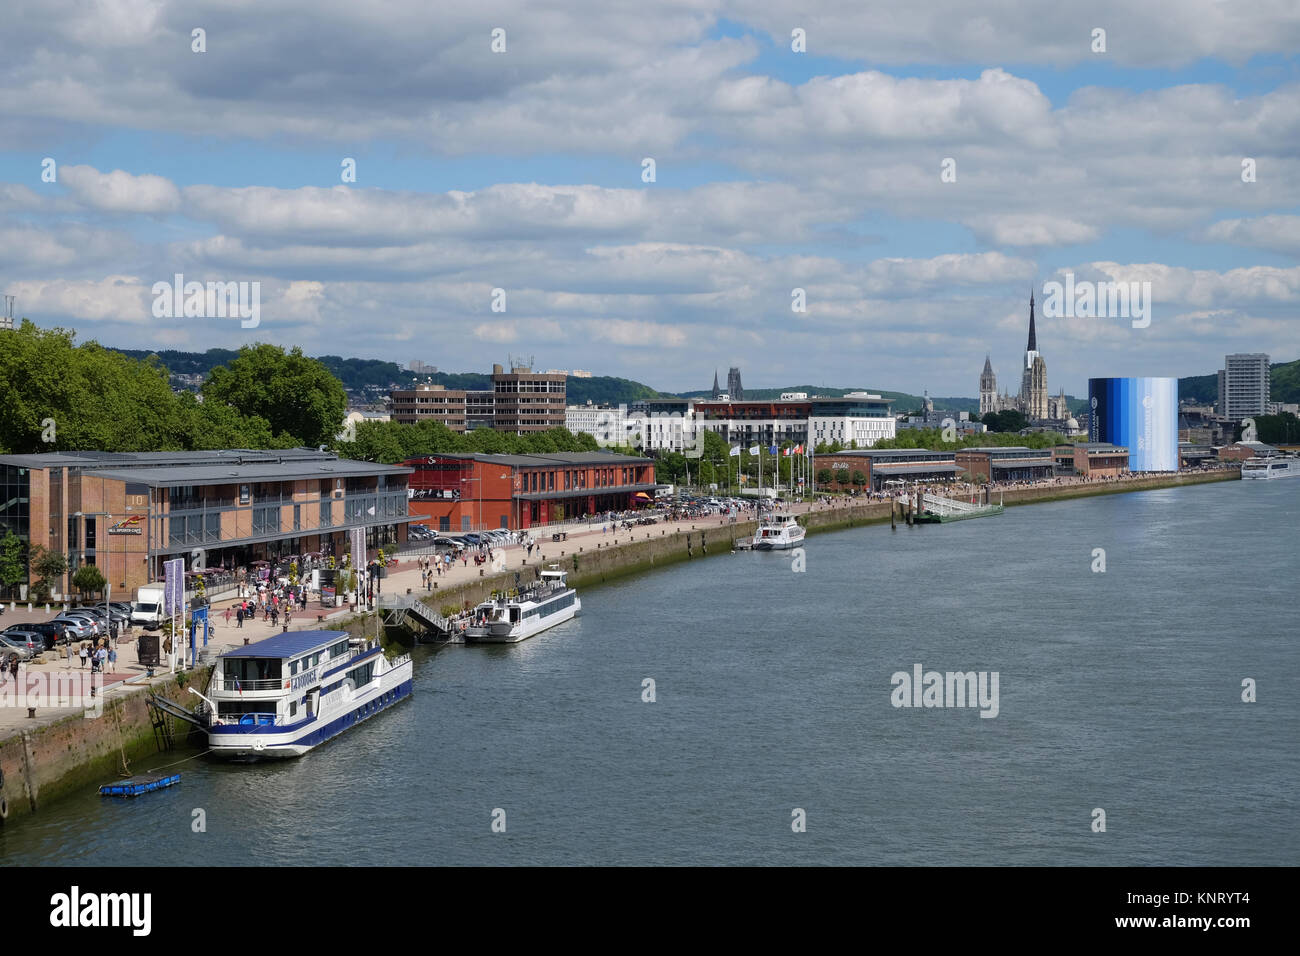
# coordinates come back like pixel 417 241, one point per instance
pixel 52 760
pixel 649 547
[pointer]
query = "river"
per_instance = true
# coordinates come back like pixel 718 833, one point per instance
pixel 1119 691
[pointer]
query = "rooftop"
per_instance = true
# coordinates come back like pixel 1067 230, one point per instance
pixel 289 644
pixel 170 468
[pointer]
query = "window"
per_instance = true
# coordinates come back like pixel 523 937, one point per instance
pixel 297 517
pixel 212 527
pixel 326 513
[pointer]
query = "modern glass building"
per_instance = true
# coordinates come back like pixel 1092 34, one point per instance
pixel 1140 414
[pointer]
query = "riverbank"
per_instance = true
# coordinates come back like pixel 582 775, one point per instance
pixel 645 548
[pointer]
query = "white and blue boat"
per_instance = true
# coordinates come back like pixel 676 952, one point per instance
pixel 285 695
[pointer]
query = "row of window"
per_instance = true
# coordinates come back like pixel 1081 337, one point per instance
pixel 557 603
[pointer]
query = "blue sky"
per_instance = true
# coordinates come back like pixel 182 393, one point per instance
pixel 775 171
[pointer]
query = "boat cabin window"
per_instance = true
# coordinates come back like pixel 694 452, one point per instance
pixel 246 669
pixel 514 615
pixel 293 708
pixel 232 710
pixel 339 650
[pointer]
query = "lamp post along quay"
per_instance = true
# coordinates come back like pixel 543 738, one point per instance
pixel 107 570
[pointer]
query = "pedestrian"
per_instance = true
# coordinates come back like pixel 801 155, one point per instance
pixel 71 652
pixel 227 615
pixel 85 654
pixel 275 616
pixel 112 657
pixel 239 616
pixel 13 667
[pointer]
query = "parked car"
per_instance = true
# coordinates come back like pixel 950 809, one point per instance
pixel 22 643
pixel 80 628
pixel 53 633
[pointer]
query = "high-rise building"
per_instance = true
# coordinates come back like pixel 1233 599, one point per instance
pixel 1244 385
pixel 411 405
pixel 520 401
pixel 527 401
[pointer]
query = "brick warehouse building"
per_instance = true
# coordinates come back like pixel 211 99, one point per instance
pixel 463 492
pixel 880 466
pixel 232 507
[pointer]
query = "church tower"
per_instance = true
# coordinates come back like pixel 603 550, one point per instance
pixel 1033 381
pixel 716 391
pixel 988 389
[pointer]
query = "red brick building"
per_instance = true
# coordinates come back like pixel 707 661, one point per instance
pixel 465 492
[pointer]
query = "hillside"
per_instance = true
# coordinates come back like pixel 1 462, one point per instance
pixel 371 378
pixel 1284 385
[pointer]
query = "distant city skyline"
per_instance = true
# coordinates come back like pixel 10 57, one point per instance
pixel 653 196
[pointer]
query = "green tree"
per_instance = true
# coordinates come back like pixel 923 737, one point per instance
pixel 296 395
pixel 13 569
pixel 88 579
pixel 859 478
pixel 47 566
pixel 824 476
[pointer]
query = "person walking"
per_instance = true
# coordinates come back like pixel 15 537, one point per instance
pixel 13 667
pixel 112 657
pixel 227 616
pixel 275 616
pixel 239 616
pixel 71 652
pixel 85 654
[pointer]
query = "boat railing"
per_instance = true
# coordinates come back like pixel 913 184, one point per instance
pixel 221 682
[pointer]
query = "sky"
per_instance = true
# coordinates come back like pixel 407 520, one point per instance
pixel 909 173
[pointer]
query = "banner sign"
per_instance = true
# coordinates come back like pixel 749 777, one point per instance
pixel 173 586
pixel 358 547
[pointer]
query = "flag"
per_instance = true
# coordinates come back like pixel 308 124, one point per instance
pixel 798 449
pixel 771 449
pixel 735 451
pixel 744 478
pixel 785 452
pixel 753 450
pixel 238 688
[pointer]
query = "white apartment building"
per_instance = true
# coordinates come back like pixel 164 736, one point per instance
pixel 1244 385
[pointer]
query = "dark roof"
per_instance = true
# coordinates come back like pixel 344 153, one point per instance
pixel 163 468
pixel 263 471
pixel 541 461
pixel 289 644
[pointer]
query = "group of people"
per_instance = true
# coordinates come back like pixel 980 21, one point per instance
pixel 279 603
pixel 100 654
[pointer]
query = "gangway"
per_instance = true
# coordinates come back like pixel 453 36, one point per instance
pixel 936 509
pixel 401 606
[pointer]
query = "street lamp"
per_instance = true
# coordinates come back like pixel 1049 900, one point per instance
pixel 108 583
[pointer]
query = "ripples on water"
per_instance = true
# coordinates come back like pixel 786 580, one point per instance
pixel 1118 690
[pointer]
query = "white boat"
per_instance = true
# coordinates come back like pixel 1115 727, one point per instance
pixel 1265 468
pixel 778 532
pixel 285 695
pixel 517 615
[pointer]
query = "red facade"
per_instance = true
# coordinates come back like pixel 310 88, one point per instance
pixel 470 492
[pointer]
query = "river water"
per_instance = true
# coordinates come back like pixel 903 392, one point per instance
pixel 1119 691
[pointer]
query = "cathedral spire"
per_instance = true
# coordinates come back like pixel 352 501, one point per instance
pixel 716 391
pixel 1033 339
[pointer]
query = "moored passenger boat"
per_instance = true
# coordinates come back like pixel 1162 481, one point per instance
pixel 778 532
pixel 519 614
pixel 285 695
